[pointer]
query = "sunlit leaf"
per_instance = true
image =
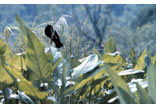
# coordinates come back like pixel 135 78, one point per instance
pixel 25 85
pixel 5 53
pixel 110 46
pixel 88 65
pixel 5 79
pixel 140 65
pixel 130 71
pixel 117 59
pixel 19 62
pixel 29 89
pixel 84 82
pixel 36 60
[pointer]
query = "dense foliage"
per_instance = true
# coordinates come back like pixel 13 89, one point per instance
pixel 38 76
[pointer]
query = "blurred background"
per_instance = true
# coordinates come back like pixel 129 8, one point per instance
pixel 85 27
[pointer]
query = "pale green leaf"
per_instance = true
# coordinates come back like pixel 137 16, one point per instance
pixel 125 97
pixel 143 95
pixel 25 85
pixel 152 81
pixel 140 65
pixel 110 46
pixel 5 53
pixel 112 59
pixel 5 79
pixel 19 62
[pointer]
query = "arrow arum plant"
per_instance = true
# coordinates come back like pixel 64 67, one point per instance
pixel 55 77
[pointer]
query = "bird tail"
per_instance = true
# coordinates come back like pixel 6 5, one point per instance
pixel 58 44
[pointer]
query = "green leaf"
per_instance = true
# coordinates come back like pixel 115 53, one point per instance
pixel 19 62
pixel 110 46
pixel 25 85
pixel 30 90
pixel 132 56
pixel 143 95
pixel 49 56
pixel 5 53
pixel 125 96
pixel 118 83
pixel 154 58
pixel 22 26
pixel 83 82
pixel 112 59
pixel 151 72
pixel 56 64
pixel 69 91
pixel 97 53
pixel 74 62
pixel 63 80
pixel 140 65
pixel 36 59
pixel 5 79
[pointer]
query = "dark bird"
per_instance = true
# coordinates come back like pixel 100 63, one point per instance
pixel 52 34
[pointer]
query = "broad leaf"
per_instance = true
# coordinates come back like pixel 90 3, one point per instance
pixel 5 79
pixel 36 59
pixel 90 63
pixel 5 53
pixel 25 85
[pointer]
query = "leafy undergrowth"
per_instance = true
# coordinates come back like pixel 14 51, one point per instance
pixel 39 77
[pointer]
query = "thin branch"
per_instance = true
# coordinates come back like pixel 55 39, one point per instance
pixel 79 27
pixel 88 12
pixel 94 22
